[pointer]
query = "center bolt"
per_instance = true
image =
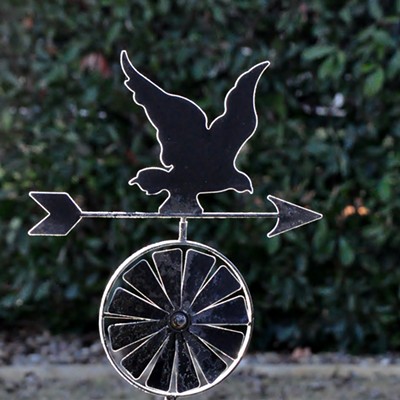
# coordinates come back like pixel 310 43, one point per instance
pixel 179 321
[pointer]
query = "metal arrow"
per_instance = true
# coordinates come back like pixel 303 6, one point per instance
pixel 63 214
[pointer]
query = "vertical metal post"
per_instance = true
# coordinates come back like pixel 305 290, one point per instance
pixel 183 229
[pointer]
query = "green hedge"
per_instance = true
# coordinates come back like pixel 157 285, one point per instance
pixel 328 138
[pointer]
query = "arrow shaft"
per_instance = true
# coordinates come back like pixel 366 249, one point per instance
pixel 139 215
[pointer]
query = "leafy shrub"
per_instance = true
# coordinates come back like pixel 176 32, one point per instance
pixel 328 139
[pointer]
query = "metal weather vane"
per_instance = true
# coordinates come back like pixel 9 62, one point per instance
pixel 176 317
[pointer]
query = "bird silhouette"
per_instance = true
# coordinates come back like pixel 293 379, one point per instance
pixel 197 157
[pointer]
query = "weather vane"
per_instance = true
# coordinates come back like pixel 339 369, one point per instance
pixel 176 316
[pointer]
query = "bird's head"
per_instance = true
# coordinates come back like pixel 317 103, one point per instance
pixel 151 180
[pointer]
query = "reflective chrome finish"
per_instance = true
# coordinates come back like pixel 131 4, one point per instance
pixel 176 318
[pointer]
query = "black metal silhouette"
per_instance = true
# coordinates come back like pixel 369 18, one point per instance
pixel 176 317
pixel 198 157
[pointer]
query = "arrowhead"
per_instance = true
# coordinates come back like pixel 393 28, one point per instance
pixel 290 216
pixel 62 214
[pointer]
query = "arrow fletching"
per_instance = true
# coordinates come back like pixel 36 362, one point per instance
pixel 290 216
pixel 62 214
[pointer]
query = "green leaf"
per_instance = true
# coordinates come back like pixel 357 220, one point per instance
pixel 346 15
pixel 317 52
pixel 374 82
pixel 375 9
pixel 346 253
pixel 383 38
pixel 384 188
pixel 273 245
pixel 6 120
pixel 113 34
pixel 72 291
pixel 327 68
pixel 57 73
pixel 394 65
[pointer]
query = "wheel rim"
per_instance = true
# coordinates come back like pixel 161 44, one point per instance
pixel 175 318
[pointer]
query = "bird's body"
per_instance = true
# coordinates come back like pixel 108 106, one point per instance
pixel 197 158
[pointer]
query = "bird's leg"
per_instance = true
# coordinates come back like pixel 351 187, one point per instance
pixel 181 203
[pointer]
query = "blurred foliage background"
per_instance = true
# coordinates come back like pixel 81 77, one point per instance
pixel 328 139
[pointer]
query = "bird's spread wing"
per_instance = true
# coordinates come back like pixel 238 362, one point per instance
pixel 173 116
pixel 239 120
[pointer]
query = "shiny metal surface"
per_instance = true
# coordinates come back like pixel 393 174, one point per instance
pixel 176 318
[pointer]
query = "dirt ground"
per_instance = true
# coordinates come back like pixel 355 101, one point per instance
pixel 37 365
pixel 41 366
pixel 252 381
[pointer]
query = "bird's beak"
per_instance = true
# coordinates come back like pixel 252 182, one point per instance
pixel 133 181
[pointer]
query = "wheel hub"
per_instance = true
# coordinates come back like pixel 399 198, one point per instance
pixel 179 321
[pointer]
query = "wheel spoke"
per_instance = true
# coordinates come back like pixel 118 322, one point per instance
pixel 197 267
pixel 186 377
pixel 230 312
pixel 211 365
pixel 160 377
pixel 169 266
pixel 127 303
pixel 227 341
pixel 219 286
pixel 137 361
pixel 126 334
pixel 142 278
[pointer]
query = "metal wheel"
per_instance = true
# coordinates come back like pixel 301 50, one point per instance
pixel 175 318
